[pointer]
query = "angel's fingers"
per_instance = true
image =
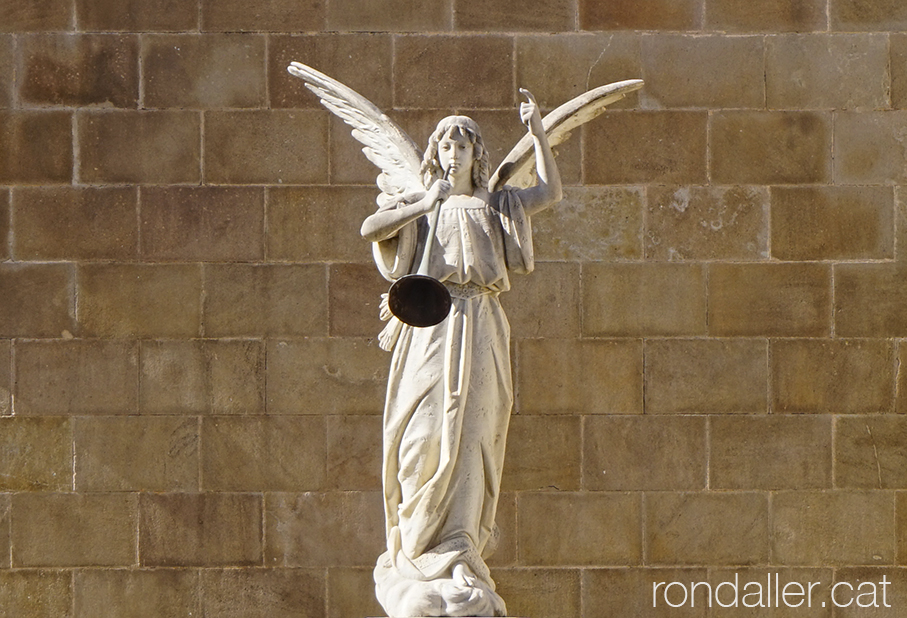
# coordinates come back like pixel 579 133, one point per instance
pixel 528 95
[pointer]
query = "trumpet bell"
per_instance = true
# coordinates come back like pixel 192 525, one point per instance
pixel 419 300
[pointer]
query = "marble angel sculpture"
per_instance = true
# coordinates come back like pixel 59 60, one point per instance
pixel 450 392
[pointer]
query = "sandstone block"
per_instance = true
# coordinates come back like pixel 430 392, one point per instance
pixel 202 223
pixel 820 71
pixel 703 71
pixel 36 454
pixel 554 529
pixel 900 225
pixel 629 299
pixel 67 530
pixel 263 593
pixel 769 300
pixel 883 606
pixel 614 593
pixel 870 300
pixel 35 147
pixel 263 454
pixel 354 295
pixel 545 304
pixel 76 377
pixel 478 71
pixel 898 65
pixel 768 16
pixel 361 61
pixel 513 15
pixel 136 454
pixel 267 15
pixel 271 300
pixel 868 150
pixel 901 524
pixel 860 15
pixel 137 15
pixel 210 529
pixel 326 376
pixel 673 449
pixel 821 580
pixel 36 15
pixel 901 401
pixel 5 219
pixel 655 147
pixel 706 376
pixel 707 528
pixel 756 147
pixel 37 300
pixel 832 223
pixel 266 147
pixel 7 62
pixel 60 223
pixel 833 528
pixel 36 594
pixel 6 384
pixel 314 224
pixel 387 15
pixel 5 510
pixel 139 147
pixel 192 71
pixel 707 223
pixel 596 59
pixel 550 372
pixel 324 529
pixel 629 15
pixel 353 453
pixel 351 593
pixel 540 592
pixel 505 518
pixel 199 377
pixel 839 376
pixel 120 300
pixel 79 70
pixel 868 452
pixel 110 593
pixel 770 452
pixel 591 224
pixel 543 453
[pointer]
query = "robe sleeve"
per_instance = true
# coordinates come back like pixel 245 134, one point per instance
pixel 394 257
pixel 517 227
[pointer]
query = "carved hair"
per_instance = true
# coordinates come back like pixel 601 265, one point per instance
pixel 467 127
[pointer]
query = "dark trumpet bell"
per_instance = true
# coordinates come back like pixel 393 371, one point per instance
pixel 419 300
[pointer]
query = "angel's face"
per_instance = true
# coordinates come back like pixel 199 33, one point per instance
pixel 455 153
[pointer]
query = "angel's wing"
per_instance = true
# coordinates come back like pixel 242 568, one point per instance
pixel 517 167
pixel 385 143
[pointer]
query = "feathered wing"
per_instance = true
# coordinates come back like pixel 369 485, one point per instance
pixel 518 167
pixel 384 143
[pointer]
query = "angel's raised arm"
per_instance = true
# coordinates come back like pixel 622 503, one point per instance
pixel 547 191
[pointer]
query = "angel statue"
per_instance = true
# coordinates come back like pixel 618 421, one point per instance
pixel 450 391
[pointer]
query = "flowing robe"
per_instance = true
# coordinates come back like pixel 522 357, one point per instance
pixel 448 406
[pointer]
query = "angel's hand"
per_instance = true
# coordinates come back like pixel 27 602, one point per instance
pixel 440 190
pixel 529 113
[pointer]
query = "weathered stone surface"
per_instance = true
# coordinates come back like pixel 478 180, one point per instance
pixel 266 147
pixel 354 296
pixel 870 300
pixel 770 452
pixel 137 15
pixel 326 376
pixel 832 223
pixel 36 454
pixel 170 151
pixel 613 593
pixel 37 300
pixel 767 16
pixel 591 224
pixel 539 592
pixel 263 454
pixel 121 300
pixel 543 453
pixel 323 529
pixel 707 223
pixel 703 71
pixel 869 148
pixel 514 15
pixel 76 377
pixel 833 528
pixel 869 452
pixel 901 401
pixel 6 383
pixel 901 524
pixel 674 450
pixel 884 606
pixel 202 224
pixel 136 454
pixel 36 15
pixel 191 71
pixel 36 594
pixel 270 300
pixel 351 593
pixel 629 15
pixel 819 71
pixel 35 147
pixel 898 65
pixel 628 299
pixel 760 147
pixel 267 15
pixel 615 517
pixel 7 64
pixel 769 300
pixel 79 70
pixel 60 223
pixel 122 593
pixel 384 15
pixel 859 15
pixel 4 224
pixel 707 528
pixel 68 530
pixel 550 373
pixel 545 304
pixel 353 453
pixel 210 529
pixel 263 593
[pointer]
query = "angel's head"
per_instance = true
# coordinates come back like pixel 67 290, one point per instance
pixel 456 127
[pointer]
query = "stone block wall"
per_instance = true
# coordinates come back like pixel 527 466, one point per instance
pixel 710 360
